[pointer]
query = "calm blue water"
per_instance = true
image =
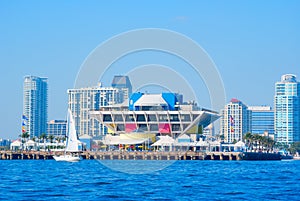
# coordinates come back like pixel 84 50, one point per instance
pixel 183 180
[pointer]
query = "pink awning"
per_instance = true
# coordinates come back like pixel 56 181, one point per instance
pixel 164 128
pixel 129 127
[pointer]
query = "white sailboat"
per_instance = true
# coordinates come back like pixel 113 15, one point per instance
pixel 71 152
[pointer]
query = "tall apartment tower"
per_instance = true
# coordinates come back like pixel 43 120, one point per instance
pixel 82 101
pixel 123 83
pixel 235 121
pixel 287 109
pixel 35 105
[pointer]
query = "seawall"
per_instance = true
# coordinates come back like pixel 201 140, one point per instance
pixel 117 155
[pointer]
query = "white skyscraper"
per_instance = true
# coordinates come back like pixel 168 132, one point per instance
pixel 235 121
pixel 287 109
pixel 82 101
pixel 35 105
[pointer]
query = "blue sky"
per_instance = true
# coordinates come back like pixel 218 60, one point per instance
pixel 251 42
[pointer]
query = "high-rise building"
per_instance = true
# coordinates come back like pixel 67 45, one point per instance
pixel 287 109
pixel 235 121
pixel 57 128
pixel 35 105
pixel 122 83
pixel 82 101
pixel 262 120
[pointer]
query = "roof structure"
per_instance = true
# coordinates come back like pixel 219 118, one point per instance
pixel 151 100
pixel 121 80
pixel 164 141
pixel 116 140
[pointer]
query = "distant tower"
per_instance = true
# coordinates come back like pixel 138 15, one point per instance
pixel 123 83
pixel 287 109
pixel 82 101
pixel 235 121
pixel 35 105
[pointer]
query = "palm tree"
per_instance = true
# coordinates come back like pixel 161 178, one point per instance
pixel 51 137
pixel 265 143
pixel 270 143
pixel 257 139
pixel 248 137
pixel 294 148
pixel 43 136
pixel 57 139
pixel 25 135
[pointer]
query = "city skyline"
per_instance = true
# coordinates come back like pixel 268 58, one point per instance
pixel 251 44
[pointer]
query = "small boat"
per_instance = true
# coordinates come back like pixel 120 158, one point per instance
pixel 296 156
pixel 71 153
pixel 68 158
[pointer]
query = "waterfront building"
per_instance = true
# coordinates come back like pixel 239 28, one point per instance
pixel 287 109
pixel 35 105
pixel 209 131
pixel 57 128
pixel 4 143
pixel 235 121
pixel 155 113
pixel 82 101
pixel 262 119
pixel 122 83
pixel 86 141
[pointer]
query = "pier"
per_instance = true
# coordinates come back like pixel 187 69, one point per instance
pixel 118 155
pixel 25 155
pixel 189 155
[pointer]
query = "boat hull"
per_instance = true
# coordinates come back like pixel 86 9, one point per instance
pixel 67 158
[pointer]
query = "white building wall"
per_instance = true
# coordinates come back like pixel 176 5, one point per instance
pixel 82 101
pixel 235 121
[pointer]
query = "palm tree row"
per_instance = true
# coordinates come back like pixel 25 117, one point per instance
pixel 42 138
pixel 258 142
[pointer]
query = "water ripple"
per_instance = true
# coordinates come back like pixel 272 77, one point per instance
pixel 184 180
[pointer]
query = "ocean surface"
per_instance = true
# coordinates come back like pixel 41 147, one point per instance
pixel 180 180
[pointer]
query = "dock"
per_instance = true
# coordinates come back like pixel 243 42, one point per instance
pixel 189 155
pixel 119 155
pixel 25 155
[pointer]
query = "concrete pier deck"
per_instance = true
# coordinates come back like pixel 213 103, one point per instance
pixel 119 155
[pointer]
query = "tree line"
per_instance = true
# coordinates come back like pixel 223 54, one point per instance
pixel 258 142
pixel 41 138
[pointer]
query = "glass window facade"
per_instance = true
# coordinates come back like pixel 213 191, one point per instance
pixel 57 128
pixel 287 109
pixel 236 121
pixel 262 119
pixel 82 101
pixel 35 105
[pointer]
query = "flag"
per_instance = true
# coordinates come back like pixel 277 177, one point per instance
pixel 24 117
pixel 231 120
pixel 23 129
pixel 231 124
